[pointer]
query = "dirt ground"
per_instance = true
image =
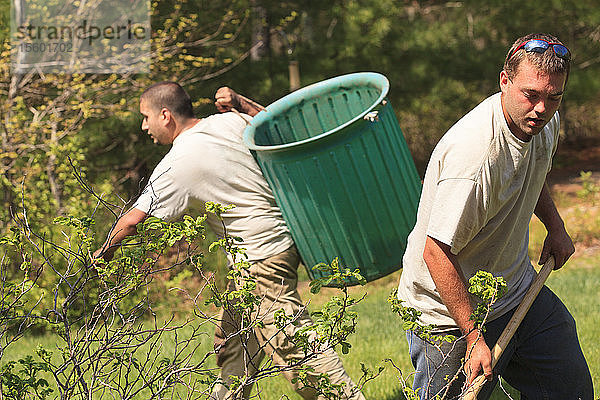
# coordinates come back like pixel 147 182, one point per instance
pixel 570 160
pixel 565 181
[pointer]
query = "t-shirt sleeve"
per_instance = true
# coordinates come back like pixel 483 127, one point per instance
pixel 458 213
pixel 163 197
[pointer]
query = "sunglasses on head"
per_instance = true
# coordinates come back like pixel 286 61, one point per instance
pixel 541 45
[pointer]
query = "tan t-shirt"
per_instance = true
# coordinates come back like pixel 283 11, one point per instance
pixel 480 190
pixel 209 162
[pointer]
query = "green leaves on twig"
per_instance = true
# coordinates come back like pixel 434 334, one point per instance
pixel 488 289
pixel 335 275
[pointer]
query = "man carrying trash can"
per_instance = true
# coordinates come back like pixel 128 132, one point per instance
pixel 208 162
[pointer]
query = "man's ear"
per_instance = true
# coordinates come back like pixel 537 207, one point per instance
pixel 503 80
pixel 165 115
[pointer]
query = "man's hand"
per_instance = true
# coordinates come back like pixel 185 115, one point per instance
pixel 97 254
pixel 478 358
pixel 226 99
pixel 559 244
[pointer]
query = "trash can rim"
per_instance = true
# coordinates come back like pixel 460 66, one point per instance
pixel 248 136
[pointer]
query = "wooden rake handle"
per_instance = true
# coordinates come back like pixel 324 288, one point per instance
pixel 513 324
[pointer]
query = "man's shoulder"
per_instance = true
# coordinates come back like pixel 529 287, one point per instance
pixel 480 118
pixel 474 129
pixel 215 127
pixel 229 119
pixel 465 146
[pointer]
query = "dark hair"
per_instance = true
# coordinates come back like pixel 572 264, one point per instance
pixel 171 96
pixel 546 62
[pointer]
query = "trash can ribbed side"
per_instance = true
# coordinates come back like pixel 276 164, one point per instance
pixel 353 192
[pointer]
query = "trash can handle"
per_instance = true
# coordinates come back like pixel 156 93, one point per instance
pixel 373 115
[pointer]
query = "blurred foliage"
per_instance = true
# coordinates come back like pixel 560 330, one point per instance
pixel 66 137
pixel 110 340
pixel 441 58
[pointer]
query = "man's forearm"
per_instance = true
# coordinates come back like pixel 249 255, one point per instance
pixel 125 226
pixel 558 243
pixel 248 106
pixel 452 286
pixel 116 236
pixel 546 211
pixel 450 283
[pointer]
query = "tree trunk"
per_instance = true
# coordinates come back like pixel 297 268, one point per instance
pixel 260 31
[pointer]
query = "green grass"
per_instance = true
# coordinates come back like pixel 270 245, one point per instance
pixel 577 285
pixel 379 335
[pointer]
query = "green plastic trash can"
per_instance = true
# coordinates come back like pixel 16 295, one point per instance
pixel 341 172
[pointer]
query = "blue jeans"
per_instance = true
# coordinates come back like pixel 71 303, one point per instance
pixel 542 361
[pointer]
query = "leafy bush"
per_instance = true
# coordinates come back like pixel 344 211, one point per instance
pixel 111 343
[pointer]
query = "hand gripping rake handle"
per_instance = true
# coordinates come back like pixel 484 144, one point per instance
pixel 513 324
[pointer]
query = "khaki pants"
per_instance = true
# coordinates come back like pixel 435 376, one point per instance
pixel 277 279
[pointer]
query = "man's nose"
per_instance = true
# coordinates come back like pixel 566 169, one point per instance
pixel 540 107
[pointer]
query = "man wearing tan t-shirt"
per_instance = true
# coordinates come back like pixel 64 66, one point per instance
pixel 208 162
pixel 485 179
